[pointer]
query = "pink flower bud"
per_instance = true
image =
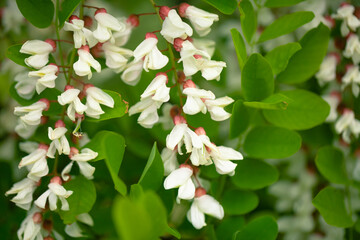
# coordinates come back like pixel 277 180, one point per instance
pixel 44 120
pixel 344 4
pixel 133 20
pixel 100 10
pixel 88 21
pixel 97 50
pixel 174 111
pixel 178 44
pixel 43 146
pixel 56 180
pixel 197 56
pixel 85 48
pixel 162 73
pixel 185 166
pixel 200 131
pixel 150 35
pixel 47 102
pixel 72 17
pixel 73 151
pixel 182 9
pixel 52 43
pixel 347 111
pixel 164 12
pixel 86 86
pixel 178 119
pixel 37 217
pixel 59 123
pixel 48 225
pixel 67 87
pixel 200 192
pixel 189 84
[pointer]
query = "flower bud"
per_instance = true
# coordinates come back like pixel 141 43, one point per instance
pixel 48 225
pixel 72 17
pixel 44 120
pixel 174 111
pixel 186 166
pixel 85 48
pixel 100 10
pixel 150 35
pixel 37 217
pixel 164 11
pixel 43 146
pixel 59 123
pixel 200 192
pixel 52 43
pixel 200 131
pixel 67 87
pixel 47 102
pixel 189 84
pixel 162 73
pixel 56 180
pixel 133 20
pixel 178 119
pixel 88 21
pixel 182 9
pixel 73 151
pixel 178 44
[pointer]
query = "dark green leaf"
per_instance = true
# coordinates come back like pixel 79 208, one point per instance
pixel 153 173
pixel 228 226
pixel 237 202
pixel 261 228
pixel 240 47
pixel 279 56
pixel 257 81
pixel 281 3
pixel 248 20
pixel 226 7
pixel 254 174
pixel 239 120
pixel 67 8
pixel 331 204
pixel 271 142
pixel 13 53
pixel 306 62
pixel 39 13
pixel 275 102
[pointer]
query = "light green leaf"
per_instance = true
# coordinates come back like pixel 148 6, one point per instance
pixel 306 62
pixel 279 56
pixel 239 120
pixel 306 110
pixel 331 204
pixel 257 81
pixel 153 173
pixel 281 3
pixel 120 108
pixel 275 102
pixel 39 13
pixel 271 142
pixel 81 200
pixel 227 7
pixel 240 47
pixel 248 20
pixel 110 146
pixel 254 174
pixel 67 8
pixel 261 228
pixel 237 202
pixel 331 164
pixel 13 53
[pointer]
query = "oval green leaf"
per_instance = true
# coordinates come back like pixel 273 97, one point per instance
pixel 240 47
pixel 281 3
pixel 226 7
pixel 248 19
pixel 67 8
pixel 39 13
pixel 279 56
pixel 13 53
pixel 228 226
pixel 239 120
pixel 261 228
pixel 237 202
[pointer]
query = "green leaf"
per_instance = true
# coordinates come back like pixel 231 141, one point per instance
pixel 13 53
pixel 228 226
pixel 111 147
pixel 120 108
pixel 271 142
pixel 240 47
pixel 81 200
pixel 254 174
pixel 248 19
pixel 279 56
pixel 281 3
pixel 257 81
pixel 331 164
pixel 306 62
pixel 239 120
pixel 285 24
pixel 275 102
pixel 227 7
pixel 306 110
pixel 39 13
pixel 236 202
pixel 261 228
pixel 153 174
pixel 67 8
pixel 331 204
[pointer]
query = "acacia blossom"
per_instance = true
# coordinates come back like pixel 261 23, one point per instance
pixel 39 51
pixel 82 36
pixel 46 77
pixel 106 23
pixel 94 97
pixel 70 97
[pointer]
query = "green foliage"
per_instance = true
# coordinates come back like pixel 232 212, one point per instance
pixel 67 8
pixel 279 56
pixel 331 204
pixel 257 82
pixel 226 7
pixel 275 102
pixel 110 146
pixel 236 202
pixel 271 142
pixel 261 228
pixel 153 174
pixel 13 53
pixel 82 199
pixel 331 164
pixel 240 47
pixel 306 62
pixel 229 226
pixel 254 174
pixel 248 20
pixel 281 3
pixel 239 119
pixel 306 110
pixel 285 24
pixel 40 13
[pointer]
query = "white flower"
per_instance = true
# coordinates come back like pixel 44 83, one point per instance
pixel 74 230
pixel 24 130
pixel 200 19
pixel 181 178
pixel 148 52
pixel 106 24
pixel 31 115
pixel 352 48
pixel 94 97
pixel 352 77
pixel 39 50
pixel 82 36
pixel 347 125
pixel 327 72
pixel 36 163
pixel 210 69
pixel 216 108
pixel 116 57
pixel 31 226
pixel 70 96
pixel 350 21
pixel 205 45
pixel 169 159
pixel 55 192
pixel 24 193
pixel 86 60
pixel 333 99
pixel 199 156
pixel 180 134
pixel 121 37
pixel 222 158
pixel 148 108
pixel 157 89
pixel 59 140
pixel 195 98
pixel 173 27
pixel 203 204
pixel 46 77
pixel 132 73
pixel 25 85
pixel 81 159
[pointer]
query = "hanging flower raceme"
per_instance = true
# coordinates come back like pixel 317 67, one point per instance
pixel 352 77
pixel 82 67
pixel 46 77
pixel 70 96
pixel 82 36
pixel 350 21
pixel 200 19
pixel 94 97
pixel 39 50
pixel 173 27
pixel 56 191
pixel 352 48
pixel 148 52
pixel 36 163
pixel 24 191
pixel 30 227
pixel 203 204
pixel 347 125
pixel 333 99
pixel 59 140
pixel 116 57
pixel 81 158
pixel 106 23
pixel 327 72
pixel 31 115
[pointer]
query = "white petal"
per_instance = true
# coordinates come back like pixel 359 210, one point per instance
pixel 196 216
pixel 187 190
pixel 210 206
pixel 175 136
pixel 177 178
